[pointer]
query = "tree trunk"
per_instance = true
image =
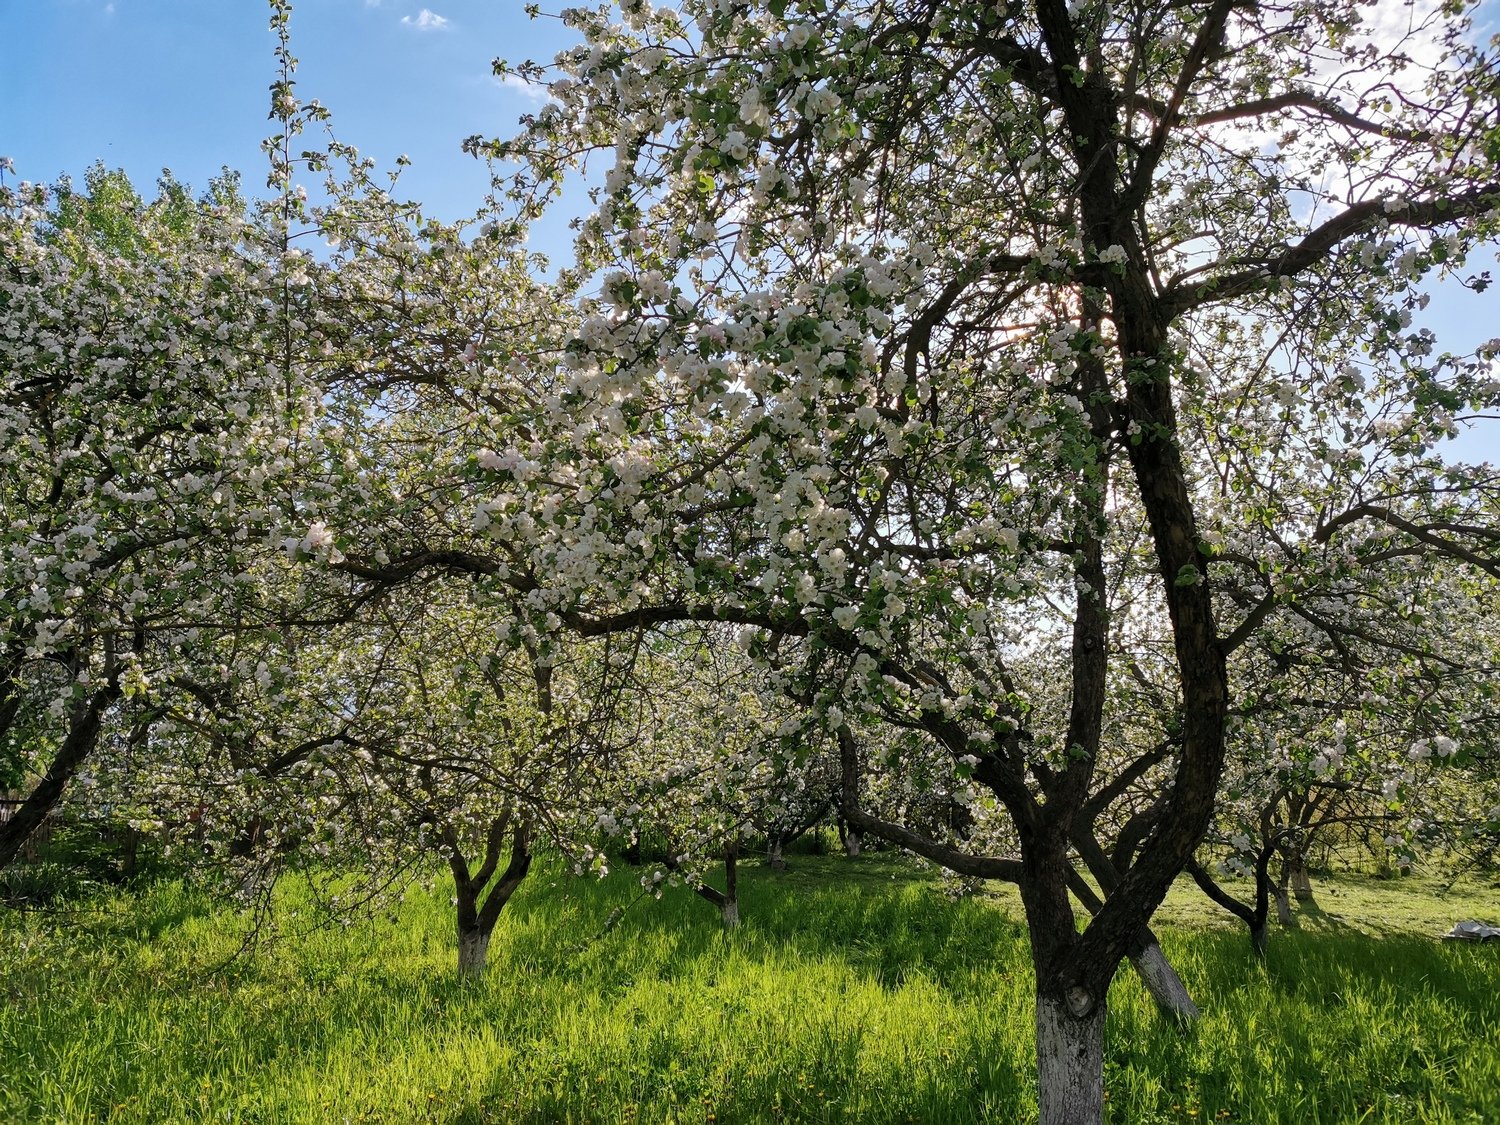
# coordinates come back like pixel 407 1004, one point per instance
pixel 1070 1063
pixel 82 736
pixel 1165 986
pixel 130 852
pixel 851 841
pixel 476 919
pixel 775 857
pixel 1254 916
pixel 727 901
pixel 1283 905
pixel 729 909
pixel 1301 884
pixel 848 789
pixel 473 953
pixel 1151 964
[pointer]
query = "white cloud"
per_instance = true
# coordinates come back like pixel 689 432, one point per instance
pixel 533 90
pixel 426 20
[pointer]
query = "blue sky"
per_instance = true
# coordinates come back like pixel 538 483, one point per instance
pixel 183 84
pixel 147 84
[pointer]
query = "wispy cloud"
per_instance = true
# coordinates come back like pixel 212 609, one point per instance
pixel 527 89
pixel 425 20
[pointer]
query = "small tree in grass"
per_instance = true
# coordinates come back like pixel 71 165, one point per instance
pixel 706 769
pixel 401 738
pixel 474 752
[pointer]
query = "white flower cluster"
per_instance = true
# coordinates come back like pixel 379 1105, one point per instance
pixel 1440 745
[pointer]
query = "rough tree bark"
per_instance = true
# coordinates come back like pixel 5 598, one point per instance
pixel 1297 875
pixel 1070 1062
pixel 1165 986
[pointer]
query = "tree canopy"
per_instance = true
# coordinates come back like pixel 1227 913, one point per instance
pixel 1018 397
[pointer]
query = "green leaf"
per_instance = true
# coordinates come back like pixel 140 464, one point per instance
pixel 1189 575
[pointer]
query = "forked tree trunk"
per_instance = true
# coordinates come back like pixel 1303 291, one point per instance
pixel 1070 1063
pixel 775 856
pixel 476 919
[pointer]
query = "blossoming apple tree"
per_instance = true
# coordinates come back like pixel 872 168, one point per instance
pixel 705 768
pixel 905 315
pixel 146 413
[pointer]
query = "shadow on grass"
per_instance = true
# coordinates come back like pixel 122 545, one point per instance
pixel 876 914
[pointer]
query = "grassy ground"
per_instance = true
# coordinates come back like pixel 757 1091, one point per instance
pixel 854 991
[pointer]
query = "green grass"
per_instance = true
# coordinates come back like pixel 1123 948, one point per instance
pixel 854 991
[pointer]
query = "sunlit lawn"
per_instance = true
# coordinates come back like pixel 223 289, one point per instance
pixel 854 991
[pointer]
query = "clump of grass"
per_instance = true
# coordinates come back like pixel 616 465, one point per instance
pixel 854 991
